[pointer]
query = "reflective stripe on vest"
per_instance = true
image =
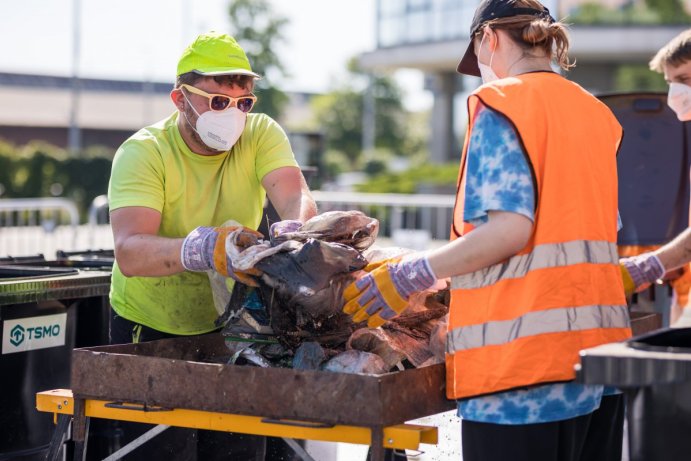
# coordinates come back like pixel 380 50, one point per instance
pixel 542 256
pixel 535 323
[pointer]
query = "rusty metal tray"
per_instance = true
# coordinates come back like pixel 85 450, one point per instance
pixel 180 373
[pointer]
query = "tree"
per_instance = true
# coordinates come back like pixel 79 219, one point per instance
pixel 669 11
pixel 630 12
pixel 340 113
pixel 258 29
pixel 638 77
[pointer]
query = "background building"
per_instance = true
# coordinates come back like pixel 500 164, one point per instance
pixel 608 38
pixel 432 35
pixel 107 112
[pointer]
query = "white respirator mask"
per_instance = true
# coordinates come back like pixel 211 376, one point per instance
pixel 486 71
pixel 219 130
pixel 679 100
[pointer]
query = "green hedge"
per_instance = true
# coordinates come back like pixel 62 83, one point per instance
pixel 42 170
pixel 427 178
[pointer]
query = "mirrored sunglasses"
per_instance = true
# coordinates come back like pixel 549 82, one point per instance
pixel 220 102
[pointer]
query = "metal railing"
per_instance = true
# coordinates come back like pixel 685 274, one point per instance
pixel 396 212
pixel 34 211
pixel 98 211
pixel 400 215
pixel 45 225
pixel 29 225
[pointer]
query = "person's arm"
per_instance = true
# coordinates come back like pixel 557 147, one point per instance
pixel 501 211
pixel 677 252
pixel 384 292
pixel 640 271
pixel 504 235
pixel 140 252
pixel 289 194
pixel 138 249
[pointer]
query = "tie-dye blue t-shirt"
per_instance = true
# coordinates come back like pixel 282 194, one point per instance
pixel 499 179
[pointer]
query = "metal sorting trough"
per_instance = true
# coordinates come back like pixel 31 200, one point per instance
pixel 190 373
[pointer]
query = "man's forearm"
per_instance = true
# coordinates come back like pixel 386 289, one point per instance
pixel 677 252
pixel 301 208
pixel 149 256
pixel 308 207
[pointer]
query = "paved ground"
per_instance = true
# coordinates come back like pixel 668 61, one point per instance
pixel 448 449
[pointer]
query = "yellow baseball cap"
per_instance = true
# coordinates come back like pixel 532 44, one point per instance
pixel 215 54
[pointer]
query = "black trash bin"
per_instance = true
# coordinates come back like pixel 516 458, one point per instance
pixel 653 169
pixel 654 372
pixel 46 309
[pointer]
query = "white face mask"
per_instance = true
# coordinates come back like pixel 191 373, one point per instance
pixel 679 100
pixel 219 130
pixel 486 71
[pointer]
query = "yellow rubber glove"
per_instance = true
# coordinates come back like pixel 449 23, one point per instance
pixel 629 285
pixel 383 293
pixel 204 249
pixel 640 271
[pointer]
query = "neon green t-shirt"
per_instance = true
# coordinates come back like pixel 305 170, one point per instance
pixel 154 168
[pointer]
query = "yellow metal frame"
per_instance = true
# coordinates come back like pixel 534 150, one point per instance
pixel 402 436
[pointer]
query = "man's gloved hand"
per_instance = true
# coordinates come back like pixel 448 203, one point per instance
pixel 383 293
pixel 640 271
pixel 283 227
pixel 204 249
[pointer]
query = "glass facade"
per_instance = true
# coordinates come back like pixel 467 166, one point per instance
pixel 419 21
pixel 409 22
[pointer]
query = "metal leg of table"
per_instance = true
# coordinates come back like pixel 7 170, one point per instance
pixel 630 394
pixel 58 439
pixel 136 443
pixel 301 452
pixel 377 452
pixel 662 297
pixel 390 454
pixel 80 429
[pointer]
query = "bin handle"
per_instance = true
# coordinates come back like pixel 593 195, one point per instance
pixel 293 422
pixel 135 406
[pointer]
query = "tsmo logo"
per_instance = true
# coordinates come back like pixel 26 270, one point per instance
pixel 17 335
pixel 31 333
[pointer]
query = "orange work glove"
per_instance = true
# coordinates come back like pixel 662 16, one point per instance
pixel 383 293
pixel 204 249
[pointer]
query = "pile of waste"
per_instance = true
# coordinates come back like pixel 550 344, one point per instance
pixel 294 317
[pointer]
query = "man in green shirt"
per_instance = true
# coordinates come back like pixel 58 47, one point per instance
pixel 174 183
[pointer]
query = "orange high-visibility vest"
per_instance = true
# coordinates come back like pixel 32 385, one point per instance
pixel 522 321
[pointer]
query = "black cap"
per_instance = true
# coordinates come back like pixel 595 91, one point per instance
pixel 488 10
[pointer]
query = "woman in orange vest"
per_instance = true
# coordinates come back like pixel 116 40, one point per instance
pixel 533 258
